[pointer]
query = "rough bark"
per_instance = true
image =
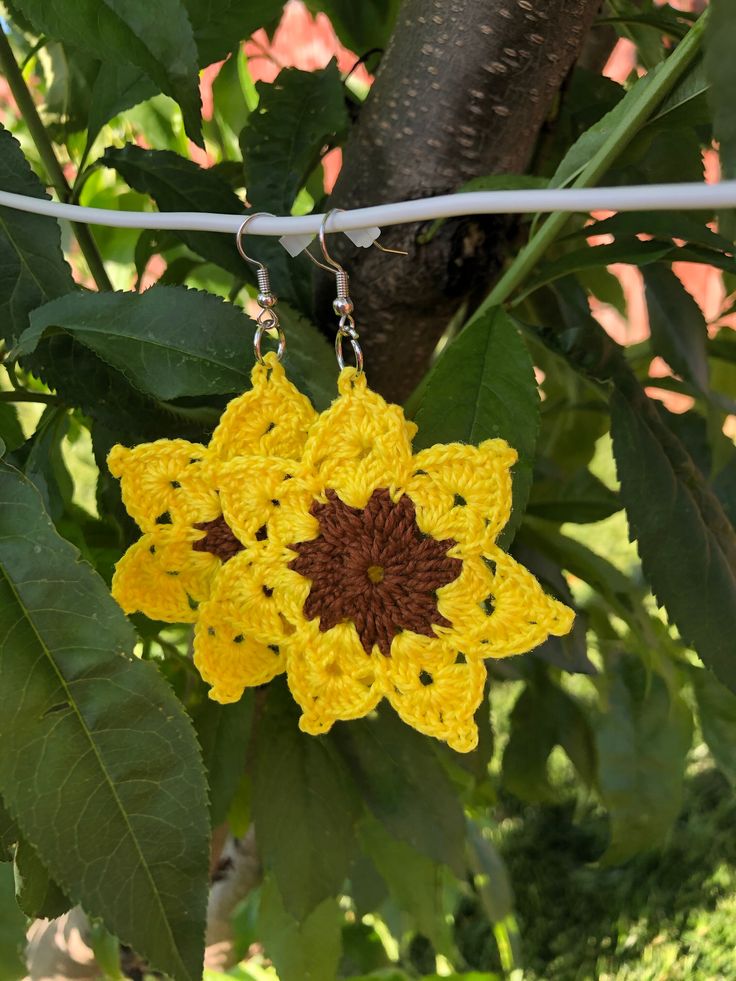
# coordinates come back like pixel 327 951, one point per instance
pixel 462 91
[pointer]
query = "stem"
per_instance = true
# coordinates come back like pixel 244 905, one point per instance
pixel 27 106
pixel 617 141
pixel 25 396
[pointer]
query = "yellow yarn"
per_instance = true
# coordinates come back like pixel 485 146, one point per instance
pixel 271 461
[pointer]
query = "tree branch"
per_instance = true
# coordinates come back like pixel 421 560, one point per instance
pixel 462 91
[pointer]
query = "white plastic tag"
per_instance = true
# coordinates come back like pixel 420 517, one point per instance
pixel 362 237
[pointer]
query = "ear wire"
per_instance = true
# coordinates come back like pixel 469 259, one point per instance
pixel 267 319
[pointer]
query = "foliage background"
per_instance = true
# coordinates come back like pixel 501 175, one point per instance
pixel 588 835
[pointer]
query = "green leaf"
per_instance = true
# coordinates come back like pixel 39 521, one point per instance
pixel 721 72
pixel 84 380
pixel 532 737
pixel 632 251
pixel 643 736
pixel 304 808
pixel 11 433
pixel 32 267
pixel 687 103
pixel 118 86
pixel 717 716
pixel 178 184
pixel 301 951
pixel 223 732
pixel 544 716
pixel 310 358
pixel 69 72
pixel 591 141
pixel 476 762
pixel 604 286
pixel 219 25
pixel 404 786
pixel 12 929
pixel 360 26
pixel 297 115
pixel 660 224
pixel 45 467
pixel 8 834
pixel 482 387
pixel 391 974
pixel 362 949
pixel 98 757
pixel 35 891
pixel 366 887
pixel 678 328
pixel 687 547
pixel 106 949
pixel 168 341
pixel 664 21
pixel 157 37
pixel 578 559
pixel 415 882
pixel 581 498
pixel 232 106
pixel 490 875
pixel 711 450
pixel 571 651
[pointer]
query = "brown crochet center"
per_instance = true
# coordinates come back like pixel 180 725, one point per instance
pixel 373 567
pixel 219 539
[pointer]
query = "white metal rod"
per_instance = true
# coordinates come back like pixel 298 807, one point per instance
pixel 648 197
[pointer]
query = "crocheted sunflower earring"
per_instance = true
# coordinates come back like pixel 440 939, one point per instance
pixel 322 547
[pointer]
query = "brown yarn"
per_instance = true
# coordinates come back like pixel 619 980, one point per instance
pixel 374 568
pixel 219 539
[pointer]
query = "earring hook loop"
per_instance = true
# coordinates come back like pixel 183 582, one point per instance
pixel 241 232
pixel 323 239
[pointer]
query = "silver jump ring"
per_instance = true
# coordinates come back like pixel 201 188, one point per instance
pixel 271 324
pixel 357 353
pixel 267 318
pixel 347 329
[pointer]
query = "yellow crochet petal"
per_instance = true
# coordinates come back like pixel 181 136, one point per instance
pixel 519 614
pixel 331 677
pixel 292 521
pixel 248 593
pixel 463 492
pixel 150 476
pixel 240 634
pixel 251 492
pixel 359 444
pixel 164 578
pixel 435 689
pixel 464 602
pixel 271 419
pixel 230 661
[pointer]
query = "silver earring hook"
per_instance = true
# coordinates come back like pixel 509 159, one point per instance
pixel 384 248
pixel 323 239
pixel 342 304
pixel 333 264
pixel 267 319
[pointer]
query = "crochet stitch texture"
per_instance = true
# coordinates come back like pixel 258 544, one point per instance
pixel 320 546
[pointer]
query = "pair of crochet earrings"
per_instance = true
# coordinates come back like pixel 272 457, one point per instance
pixel 318 545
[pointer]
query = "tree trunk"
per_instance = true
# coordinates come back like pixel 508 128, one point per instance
pixel 462 91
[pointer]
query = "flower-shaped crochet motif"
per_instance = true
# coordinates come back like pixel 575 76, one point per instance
pixel 319 545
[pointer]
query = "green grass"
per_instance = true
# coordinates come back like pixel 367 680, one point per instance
pixel 668 915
